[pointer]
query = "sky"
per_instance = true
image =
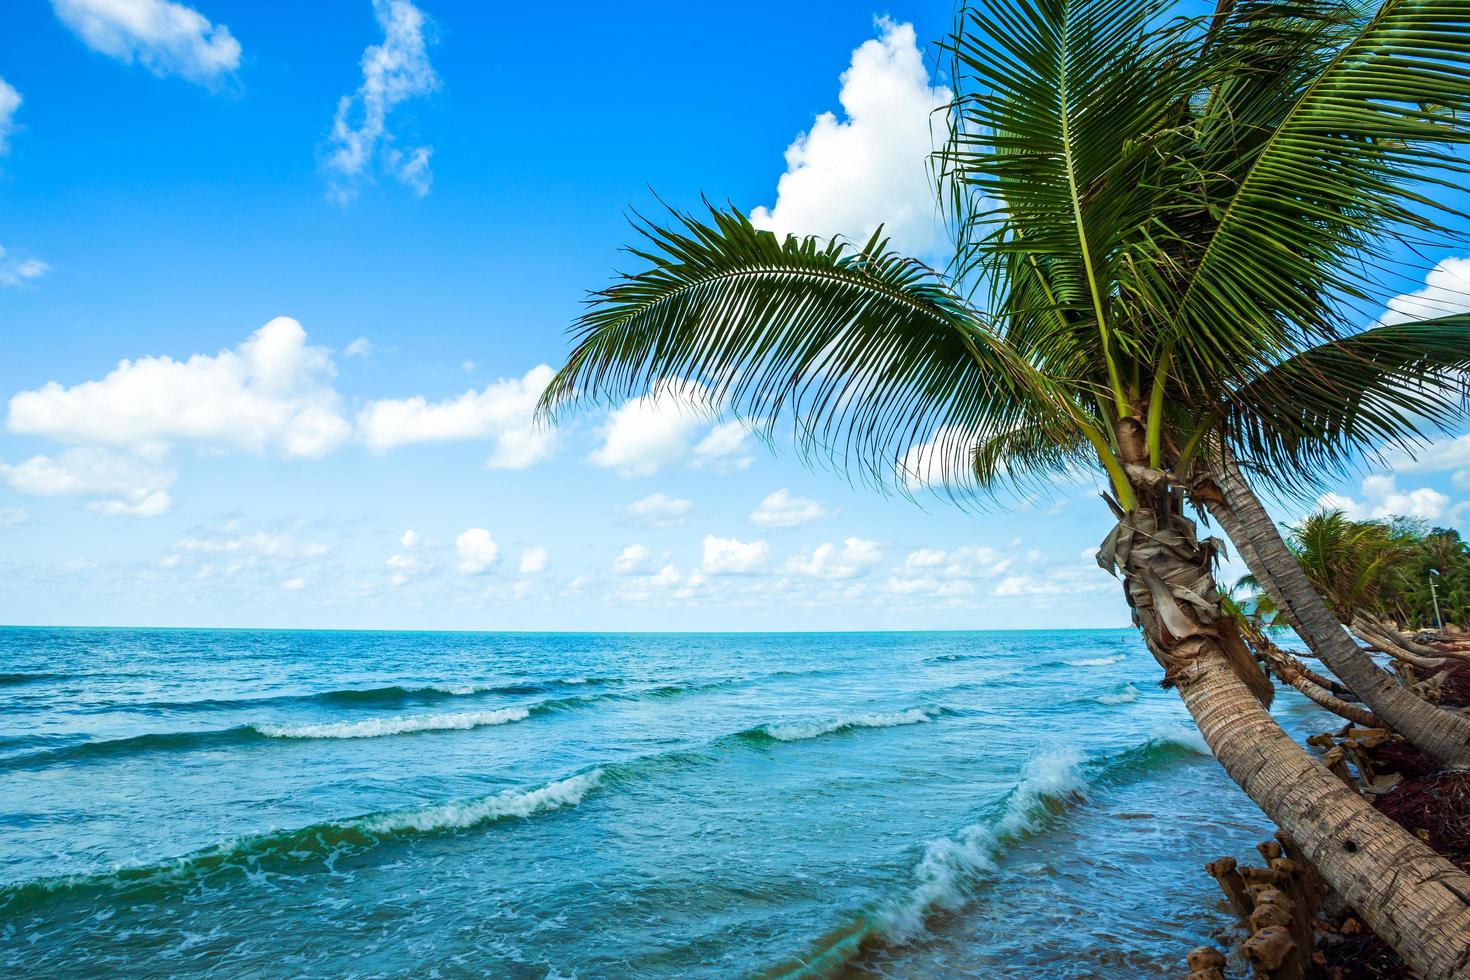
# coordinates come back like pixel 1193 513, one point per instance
pixel 280 285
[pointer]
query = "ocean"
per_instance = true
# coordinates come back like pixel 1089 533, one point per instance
pixel 301 803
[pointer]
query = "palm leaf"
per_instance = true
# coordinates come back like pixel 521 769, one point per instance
pixel 865 354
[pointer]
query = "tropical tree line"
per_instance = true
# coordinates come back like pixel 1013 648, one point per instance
pixel 1166 232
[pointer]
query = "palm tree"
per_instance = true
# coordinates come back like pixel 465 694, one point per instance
pixel 1162 216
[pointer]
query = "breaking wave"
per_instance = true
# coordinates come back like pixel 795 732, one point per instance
pixel 399 725
pixel 318 842
pixel 1127 695
pixel 802 730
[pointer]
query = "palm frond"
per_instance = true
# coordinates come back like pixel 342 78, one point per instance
pixel 863 353
pixel 1305 419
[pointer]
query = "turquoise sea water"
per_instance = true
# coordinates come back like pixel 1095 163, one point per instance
pixel 1027 804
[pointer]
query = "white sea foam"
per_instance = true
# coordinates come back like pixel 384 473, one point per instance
pixel 469 813
pixel 1128 694
pixel 799 730
pixel 1186 736
pixel 1096 661
pixel 397 725
pixel 952 865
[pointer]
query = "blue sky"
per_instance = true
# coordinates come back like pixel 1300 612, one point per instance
pixel 278 284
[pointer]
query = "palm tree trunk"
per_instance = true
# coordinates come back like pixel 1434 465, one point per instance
pixel 1290 670
pixel 1421 908
pixel 1384 640
pixel 1443 734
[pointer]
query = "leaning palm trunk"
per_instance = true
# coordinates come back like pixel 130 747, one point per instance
pixel 1442 734
pixel 1385 640
pixel 1291 671
pixel 1422 909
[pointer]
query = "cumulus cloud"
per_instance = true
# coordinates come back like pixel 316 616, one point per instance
pixel 980 561
pixel 118 483
pixel 1382 499
pixel 166 38
pixel 271 393
pixel 392 73
pixel 849 176
pixel 660 510
pixel 14 270
pixel 854 558
pixel 9 102
pixel 11 516
pixel 632 559
pixel 503 412
pixel 647 433
pixel 785 509
pixel 477 550
pixel 1446 291
pixel 533 561
pixel 728 556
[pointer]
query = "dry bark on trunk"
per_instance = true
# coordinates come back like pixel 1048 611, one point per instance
pixel 1289 670
pixel 1443 734
pixel 1413 898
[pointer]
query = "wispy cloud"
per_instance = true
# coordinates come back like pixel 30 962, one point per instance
pixel 164 37
pixel 9 102
pixel 17 271
pixel 392 73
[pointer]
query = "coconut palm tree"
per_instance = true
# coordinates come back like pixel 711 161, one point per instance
pixel 1156 218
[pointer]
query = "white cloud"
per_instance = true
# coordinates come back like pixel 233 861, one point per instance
pixel 651 431
pixel 533 561
pixel 783 509
pixel 854 558
pixel 392 73
pixel 121 484
pixel 411 539
pixel 660 510
pixel 361 347
pixel 964 562
pixel 647 433
pixel 270 393
pixel 1446 291
pixel 503 412
pixel 633 558
pixel 166 38
pixel 468 367
pixel 11 516
pixel 1451 454
pixel 724 448
pixel 477 550
pixel 728 556
pixel 664 578
pixel 15 271
pixel 10 101
pixel 1382 499
pixel 230 539
pixel 848 177
pixel 294 584
pixel 938 462
pixel 927 585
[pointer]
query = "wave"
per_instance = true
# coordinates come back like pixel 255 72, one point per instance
pixel 27 678
pixel 317 842
pixel 255 733
pixel 1127 695
pixel 399 725
pixel 1095 661
pixel 392 695
pixel 803 730
pixel 952 868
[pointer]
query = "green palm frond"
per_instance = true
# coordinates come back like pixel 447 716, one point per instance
pixel 1307 418
pixel 864 353
pixel 1356 158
